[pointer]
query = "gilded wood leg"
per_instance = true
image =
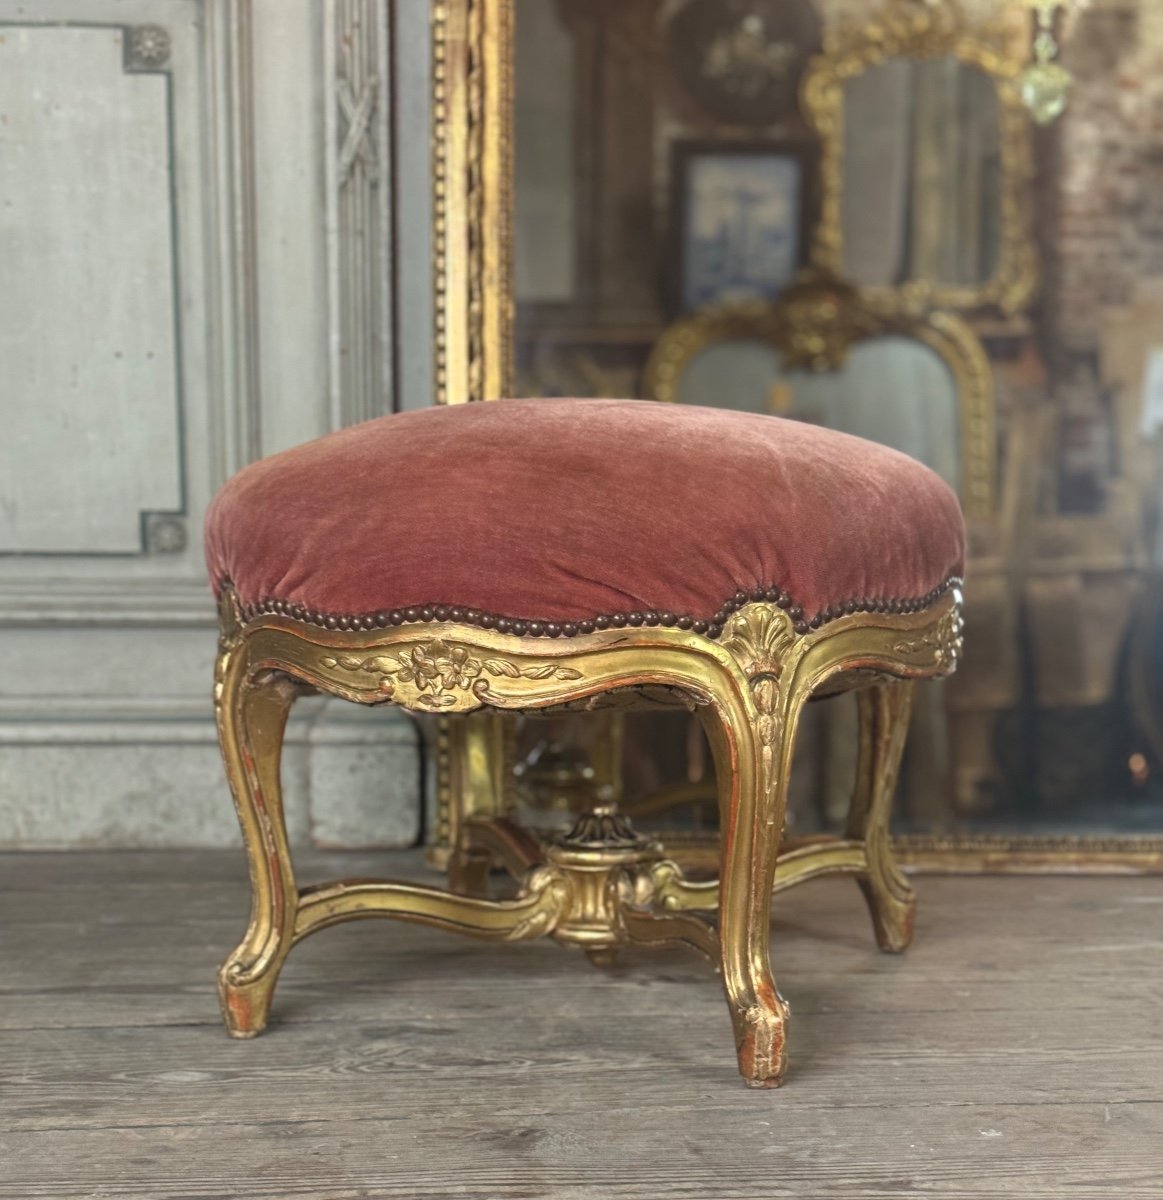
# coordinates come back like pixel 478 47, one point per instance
pixel 753 759
pixel 884 723
pixel 471 766
pixel 252 715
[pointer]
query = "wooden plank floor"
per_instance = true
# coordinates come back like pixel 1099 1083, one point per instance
pixel 1016 1050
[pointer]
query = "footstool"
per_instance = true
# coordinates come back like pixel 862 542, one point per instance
pixel 522 555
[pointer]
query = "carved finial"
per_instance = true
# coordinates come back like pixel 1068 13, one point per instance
pixel 603 826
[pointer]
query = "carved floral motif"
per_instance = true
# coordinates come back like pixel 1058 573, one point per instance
pixel 439 670
pixel 915 28
pixel 943 642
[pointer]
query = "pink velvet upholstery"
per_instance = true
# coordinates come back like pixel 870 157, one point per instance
pixel 564 510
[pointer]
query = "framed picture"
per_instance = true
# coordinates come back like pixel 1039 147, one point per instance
pixel 742 216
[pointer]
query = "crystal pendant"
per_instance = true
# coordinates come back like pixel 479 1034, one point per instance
pixel 1045 87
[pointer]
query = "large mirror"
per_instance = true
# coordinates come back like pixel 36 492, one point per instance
pixel 1046 749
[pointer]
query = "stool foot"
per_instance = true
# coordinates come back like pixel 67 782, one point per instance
pixel 245 1007
pixel 488 842
pixel 603 957
pixel 468 871
pixel 892 915
pixel 761 1042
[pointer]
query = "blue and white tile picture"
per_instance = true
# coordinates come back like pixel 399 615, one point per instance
pixel 741 239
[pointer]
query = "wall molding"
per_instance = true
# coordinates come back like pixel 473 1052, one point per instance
pixel 236 436
pixel 145 50
pixel 35 720
pixel 126 602
pixel 106 723
pixel 358 196
pixel 129 773
pixel 215 66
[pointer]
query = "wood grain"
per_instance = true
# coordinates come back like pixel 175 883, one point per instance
pixel 1016 1050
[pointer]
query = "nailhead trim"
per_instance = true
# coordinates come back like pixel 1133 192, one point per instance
pixel 711 627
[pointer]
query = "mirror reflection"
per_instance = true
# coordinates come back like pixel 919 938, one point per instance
pixel 922 174
pixel 890 389
pixel 1051 728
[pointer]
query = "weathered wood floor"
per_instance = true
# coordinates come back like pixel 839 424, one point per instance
pixel 1017 1050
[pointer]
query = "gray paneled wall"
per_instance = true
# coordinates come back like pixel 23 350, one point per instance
pixel 196 230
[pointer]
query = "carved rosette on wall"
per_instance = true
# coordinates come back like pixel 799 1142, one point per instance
pixel 146 48
pixel 165 533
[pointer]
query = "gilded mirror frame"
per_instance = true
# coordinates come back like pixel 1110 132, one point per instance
pixel 911 29
pixel 472 204
pixel 472 92
pixel 472 332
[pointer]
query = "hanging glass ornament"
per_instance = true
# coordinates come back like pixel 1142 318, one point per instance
pixel 1046 83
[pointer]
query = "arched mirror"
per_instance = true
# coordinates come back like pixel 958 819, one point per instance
pixel 920 384
pixel 892 389
pixel 926 169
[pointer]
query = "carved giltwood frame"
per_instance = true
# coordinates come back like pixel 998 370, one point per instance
pixel 472 210
pixel 815 325
pixel 909 29
pixel 473 215
pixel 601 887
pixel 472 267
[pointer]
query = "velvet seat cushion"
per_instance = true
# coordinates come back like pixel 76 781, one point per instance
pixel 561 513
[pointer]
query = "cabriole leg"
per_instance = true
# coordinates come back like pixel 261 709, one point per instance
pixel 884 722
pixel 252 715
pixel 752 761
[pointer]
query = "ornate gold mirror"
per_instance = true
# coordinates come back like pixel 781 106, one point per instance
pixel 569 137
pixel 926 157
